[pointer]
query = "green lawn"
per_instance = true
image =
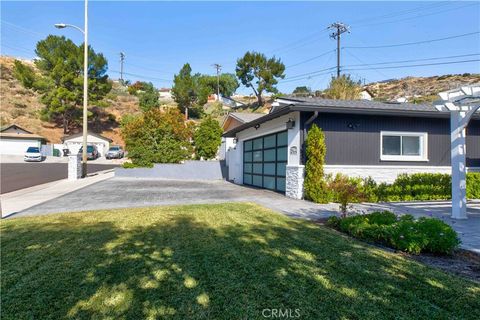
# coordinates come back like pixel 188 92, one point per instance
pixel 227 261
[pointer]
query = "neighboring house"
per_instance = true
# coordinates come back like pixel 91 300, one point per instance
pixel 74 142
pixel 363 138
pixel 165 93
pixel 16 140
pixel 366 95
pixel 231 121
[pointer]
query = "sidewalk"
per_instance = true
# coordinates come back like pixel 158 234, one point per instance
pixel 19 200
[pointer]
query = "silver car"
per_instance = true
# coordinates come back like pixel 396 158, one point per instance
pixel 115 152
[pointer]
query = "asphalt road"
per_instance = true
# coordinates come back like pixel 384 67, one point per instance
pixel 15 176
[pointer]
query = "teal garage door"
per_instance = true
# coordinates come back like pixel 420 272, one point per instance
pixel 265 161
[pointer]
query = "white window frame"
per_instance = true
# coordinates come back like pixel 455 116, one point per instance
pixel 423 146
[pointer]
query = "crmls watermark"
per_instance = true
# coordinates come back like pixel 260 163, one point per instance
pixel 275 313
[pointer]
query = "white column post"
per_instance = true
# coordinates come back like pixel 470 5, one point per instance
pixel 458 162
pixel 295 172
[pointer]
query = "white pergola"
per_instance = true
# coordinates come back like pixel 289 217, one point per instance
pixel 461 103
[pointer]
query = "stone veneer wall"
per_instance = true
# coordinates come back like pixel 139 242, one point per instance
pixel 294 181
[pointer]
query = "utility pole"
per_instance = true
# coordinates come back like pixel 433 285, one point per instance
pixel 218 67
pixel 122 59
pixel 338 28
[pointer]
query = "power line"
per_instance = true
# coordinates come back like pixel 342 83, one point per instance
pixel 403 12
pixel 308 77
pixel 413 43
pixel 311 73
pixel 415 17
pixel 414 60
pixel 416 65
pixel 302 42
pixel 310 59
pixel 141 76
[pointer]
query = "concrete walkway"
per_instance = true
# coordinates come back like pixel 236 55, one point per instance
pixel 130 192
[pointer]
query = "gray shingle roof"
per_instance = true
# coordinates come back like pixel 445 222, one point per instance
pixel 361 104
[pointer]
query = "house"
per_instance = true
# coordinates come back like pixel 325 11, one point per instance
pixel 363 138
pixel 231 121
pixel 165 93
pixel 16 140
pixel 74 142
pixel 366 94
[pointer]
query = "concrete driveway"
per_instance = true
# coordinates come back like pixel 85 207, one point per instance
pixel 129 192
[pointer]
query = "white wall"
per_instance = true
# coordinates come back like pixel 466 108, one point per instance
pixel 385 173
pixel 17 146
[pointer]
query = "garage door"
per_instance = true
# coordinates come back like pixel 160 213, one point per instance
pixel 16 146
pixel 265 161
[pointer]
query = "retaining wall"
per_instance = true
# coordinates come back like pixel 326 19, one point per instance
pixel 189 170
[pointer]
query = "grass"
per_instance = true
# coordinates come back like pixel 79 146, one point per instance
pixel 227 261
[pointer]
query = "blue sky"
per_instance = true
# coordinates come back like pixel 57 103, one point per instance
pixel 159 37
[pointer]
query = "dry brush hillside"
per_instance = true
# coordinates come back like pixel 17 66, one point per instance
pixel 22 106
pixel 420 89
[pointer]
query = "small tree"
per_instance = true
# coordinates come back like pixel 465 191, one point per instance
pixel 207 138
pixel 188 93
pixel 343 88
pixel 148 97
pixel 346 190
pixel 260 73
pixel 24 74
pixel 228 83
pixel 315 185
pixel 157 137
pixel 302 91
pixel 60 79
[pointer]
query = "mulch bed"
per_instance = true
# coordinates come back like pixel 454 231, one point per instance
pixel 463 263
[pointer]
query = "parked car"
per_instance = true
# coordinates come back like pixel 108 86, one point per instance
pixel 33 154
pixel 92 152
pixel 115 152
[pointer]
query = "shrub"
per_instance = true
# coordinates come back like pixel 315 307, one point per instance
pixel 207 138
pixel 441 238
pixel 473 185
pixel 345 191
pixel 314 185
pixel 404 233
pixel 157 137
pixel 333 222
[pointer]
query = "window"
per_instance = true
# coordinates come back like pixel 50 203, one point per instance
pixel 403 146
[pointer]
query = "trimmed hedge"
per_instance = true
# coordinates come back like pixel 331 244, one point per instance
pixel 407 187
pixel 404 233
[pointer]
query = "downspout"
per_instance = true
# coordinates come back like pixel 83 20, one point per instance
pixel 304 136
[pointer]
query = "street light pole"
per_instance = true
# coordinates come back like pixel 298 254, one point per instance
pixel 85 93
pixel 85 84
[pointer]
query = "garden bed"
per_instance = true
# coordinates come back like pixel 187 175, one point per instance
pixel 463 263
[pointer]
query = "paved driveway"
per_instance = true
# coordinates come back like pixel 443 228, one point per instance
pixel 127 192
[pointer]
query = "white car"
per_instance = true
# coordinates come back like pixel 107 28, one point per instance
pixel 33 154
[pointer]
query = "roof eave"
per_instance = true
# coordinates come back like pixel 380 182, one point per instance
pixel 269 116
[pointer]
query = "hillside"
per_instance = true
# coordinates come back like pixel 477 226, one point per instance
pixel 22 106
pixel 419 89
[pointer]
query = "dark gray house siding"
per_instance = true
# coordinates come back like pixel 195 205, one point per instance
pixel 355 139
